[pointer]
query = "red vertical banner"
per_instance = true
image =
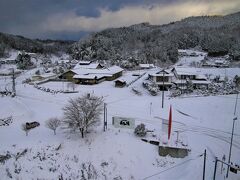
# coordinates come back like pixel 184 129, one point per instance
pixel 170 122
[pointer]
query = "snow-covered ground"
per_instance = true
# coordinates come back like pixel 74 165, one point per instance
pixel 188 60
pixel 204 122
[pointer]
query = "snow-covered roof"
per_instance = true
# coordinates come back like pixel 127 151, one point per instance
pixel 200 82
pixel 220 61
pixel 146 65
pixel 110 70
pixel 161 74
pixel 201 76
pixel 46 75
pixel 185 71
pixel 89 76
pixel 65 61
pixel 115 69
pixel 8 59
pixel 74 61
pixel 86 65
pixel 84 62
pixel 167 73
pixel 121 80
pixel 182 50
pixel 83 73
pixel 193 81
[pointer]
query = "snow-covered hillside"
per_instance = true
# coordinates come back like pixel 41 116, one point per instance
pixel 203 123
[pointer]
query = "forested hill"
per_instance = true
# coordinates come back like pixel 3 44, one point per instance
pixel 8 41
pixel 218 35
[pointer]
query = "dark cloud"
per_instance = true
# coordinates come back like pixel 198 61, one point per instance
pixel 26 17
pixel 21 16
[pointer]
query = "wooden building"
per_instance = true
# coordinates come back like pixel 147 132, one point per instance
pixel 120 83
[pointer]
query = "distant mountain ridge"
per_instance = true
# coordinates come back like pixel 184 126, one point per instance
pixel 8 41
pixel 143 43
pixel 158 44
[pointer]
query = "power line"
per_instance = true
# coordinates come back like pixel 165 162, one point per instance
pixel 171 167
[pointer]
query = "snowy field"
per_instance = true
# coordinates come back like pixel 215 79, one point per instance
pixel 204 123
pixel 190 60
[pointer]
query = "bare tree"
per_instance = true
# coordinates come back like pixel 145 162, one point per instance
pixel 53 124
pixel 82 112
pixel 24 128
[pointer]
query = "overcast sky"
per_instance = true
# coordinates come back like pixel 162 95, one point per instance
pixel 71 19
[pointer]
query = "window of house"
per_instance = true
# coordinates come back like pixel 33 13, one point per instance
pixel 161 78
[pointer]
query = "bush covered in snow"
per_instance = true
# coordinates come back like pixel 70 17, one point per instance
pixel 151 87
pixel 140 130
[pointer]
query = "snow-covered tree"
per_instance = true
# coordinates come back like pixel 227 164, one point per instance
pixel 237 81
pixel 2 49
pixel 53 124
pixel 82 112
pixel 24 61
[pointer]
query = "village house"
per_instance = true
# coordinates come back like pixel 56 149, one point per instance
pixel 185 76
pixel 162 78
pixel 183 73
pixel 91 73
pixel 219 62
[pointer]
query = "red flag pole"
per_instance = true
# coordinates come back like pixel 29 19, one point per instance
pixel 170 122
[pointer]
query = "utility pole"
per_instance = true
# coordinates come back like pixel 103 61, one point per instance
pixel 204 164
pixel 105 118
pixel 13 84
pixel 230 150
pixel 234 119
pixel 223 159
pixel 215 169
pixel 235 108
pixel 163 89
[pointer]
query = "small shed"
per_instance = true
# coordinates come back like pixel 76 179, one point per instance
pixel 120 83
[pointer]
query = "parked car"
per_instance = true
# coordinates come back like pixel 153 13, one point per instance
pixel 31 125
